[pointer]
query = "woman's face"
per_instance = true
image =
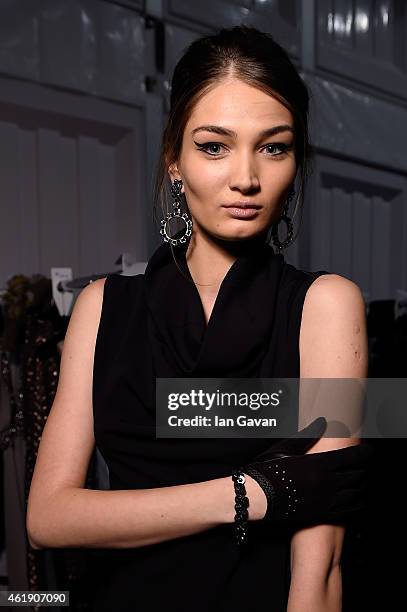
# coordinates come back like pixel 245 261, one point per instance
pixel 245 155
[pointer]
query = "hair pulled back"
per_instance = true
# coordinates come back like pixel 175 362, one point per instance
pixel 255 58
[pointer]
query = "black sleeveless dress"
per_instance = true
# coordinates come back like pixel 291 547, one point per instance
pixel 153 325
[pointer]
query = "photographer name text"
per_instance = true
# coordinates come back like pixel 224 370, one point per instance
pixel 205 421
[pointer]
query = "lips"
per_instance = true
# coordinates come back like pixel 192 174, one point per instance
pixel 244 205
pixel 243 212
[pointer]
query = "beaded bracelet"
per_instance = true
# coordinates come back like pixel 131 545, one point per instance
pixel 241 505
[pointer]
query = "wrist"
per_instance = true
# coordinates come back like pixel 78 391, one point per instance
pixel 257 499
pixel 227 497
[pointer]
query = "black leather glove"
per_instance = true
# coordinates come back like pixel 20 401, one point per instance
pixel 326 487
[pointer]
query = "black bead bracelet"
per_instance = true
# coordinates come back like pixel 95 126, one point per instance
pixel 241 505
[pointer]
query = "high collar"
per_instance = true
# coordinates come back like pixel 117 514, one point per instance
pixel 236 337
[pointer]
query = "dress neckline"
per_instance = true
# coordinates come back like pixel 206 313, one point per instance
pixel 239 268
pixel 236 335
pixel 183 260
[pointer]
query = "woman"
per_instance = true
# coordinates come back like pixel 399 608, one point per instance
pixel 215 300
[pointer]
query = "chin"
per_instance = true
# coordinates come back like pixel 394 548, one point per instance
pixel 238 233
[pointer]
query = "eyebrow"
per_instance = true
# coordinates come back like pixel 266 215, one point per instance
pixel 217 129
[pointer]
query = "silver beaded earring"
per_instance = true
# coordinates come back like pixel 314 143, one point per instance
pixel 174 214
pixel 289 225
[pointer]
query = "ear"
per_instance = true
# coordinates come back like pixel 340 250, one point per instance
pixel 174 172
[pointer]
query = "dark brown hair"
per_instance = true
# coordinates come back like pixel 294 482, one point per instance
pixel 256 59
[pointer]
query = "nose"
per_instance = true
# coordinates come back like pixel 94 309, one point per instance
pixel 243 174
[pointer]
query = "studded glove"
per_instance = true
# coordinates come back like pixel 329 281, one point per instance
pixel 326 487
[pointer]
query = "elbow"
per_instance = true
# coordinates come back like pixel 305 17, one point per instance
pixel 33 544
pixel 33 529
pixel 38 520
pixel 32 536
pixel 45 523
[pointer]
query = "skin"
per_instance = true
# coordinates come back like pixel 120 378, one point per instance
pixel 242 167
pixel 333 337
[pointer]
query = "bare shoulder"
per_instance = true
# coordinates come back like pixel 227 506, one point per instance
pixel 80 338
pixel 85 315
pixel 92 293
pixel 67 439
pixel 333 338
pixel 333 282
pixel 332 294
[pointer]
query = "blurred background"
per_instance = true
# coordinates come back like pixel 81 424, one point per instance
pixel 84 93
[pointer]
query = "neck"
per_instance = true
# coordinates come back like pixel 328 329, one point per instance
pixel 209 258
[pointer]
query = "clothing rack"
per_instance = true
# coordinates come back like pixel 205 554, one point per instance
pixel 128 266
pixel 129 269
pixel 79 282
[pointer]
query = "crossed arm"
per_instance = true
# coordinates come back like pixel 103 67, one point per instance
pixel 333 344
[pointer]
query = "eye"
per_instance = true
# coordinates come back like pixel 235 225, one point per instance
pixel 206 145
pixel 282 146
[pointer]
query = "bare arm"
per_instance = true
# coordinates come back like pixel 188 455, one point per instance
pixel 122 519
pixel 333 344
pixel 61 513
pixel 316 581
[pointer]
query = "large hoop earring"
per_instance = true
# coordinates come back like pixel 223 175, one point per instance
pixel 176 213
pixel 289 225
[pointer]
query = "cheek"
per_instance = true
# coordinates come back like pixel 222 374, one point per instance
pixel 203 179
pixel 279 177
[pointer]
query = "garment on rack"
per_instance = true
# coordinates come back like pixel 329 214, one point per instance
pixel 153 325
pixel 29 343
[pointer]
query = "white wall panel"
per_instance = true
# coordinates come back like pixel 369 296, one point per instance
pixel 71 188
pixel 365 41
pixel 357 225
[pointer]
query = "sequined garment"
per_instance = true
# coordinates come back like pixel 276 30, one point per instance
pixel 33 328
